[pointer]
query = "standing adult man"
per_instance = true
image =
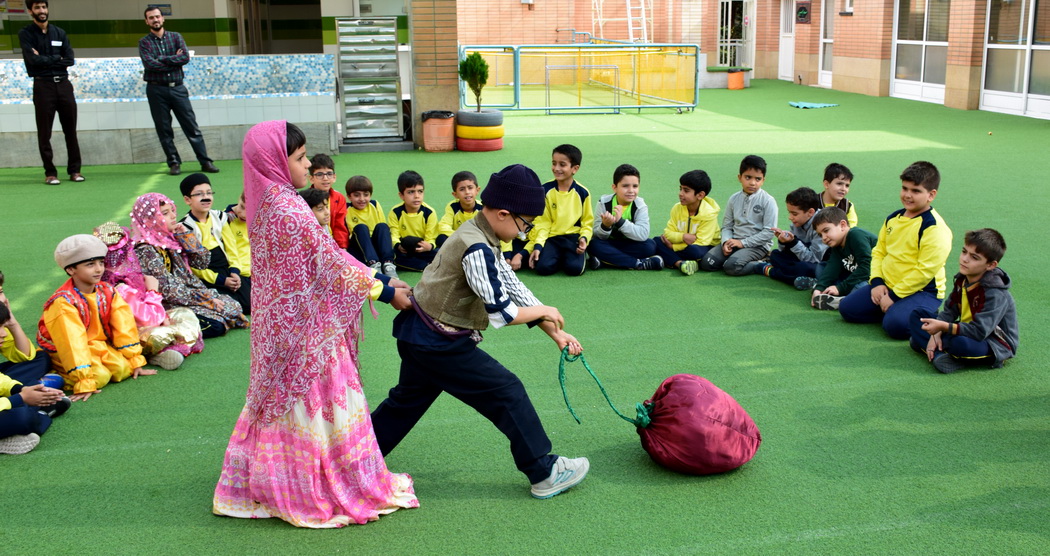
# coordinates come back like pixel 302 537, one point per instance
pixel 47 54
pixel 163 54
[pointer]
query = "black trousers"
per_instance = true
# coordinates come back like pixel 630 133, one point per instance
pixel 476 379
pixel 164 100
pixel 50 97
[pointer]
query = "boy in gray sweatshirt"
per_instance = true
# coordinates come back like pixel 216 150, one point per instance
pixel 750 216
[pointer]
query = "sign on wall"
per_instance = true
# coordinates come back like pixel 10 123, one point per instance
pixel 802 11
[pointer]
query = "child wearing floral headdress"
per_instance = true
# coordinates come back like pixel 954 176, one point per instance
pixel 166 250
pixel 167 336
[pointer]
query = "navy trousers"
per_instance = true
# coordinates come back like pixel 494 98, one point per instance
pixel 787 267
pixel 559 253
pixel 858 307
pixel 476 379
pixel 621 253
pixel 671 257
pixel 972 351
pixel 371 247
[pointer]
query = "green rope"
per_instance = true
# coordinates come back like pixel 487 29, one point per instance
pixel 643 410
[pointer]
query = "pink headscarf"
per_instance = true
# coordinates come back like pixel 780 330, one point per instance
pixel 265 162
pixel 148 224
pixel 307 293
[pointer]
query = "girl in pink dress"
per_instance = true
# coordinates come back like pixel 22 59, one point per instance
pixel 303 448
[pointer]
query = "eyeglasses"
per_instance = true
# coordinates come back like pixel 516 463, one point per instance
pixel 324 174
pixel 202 194
pixel 528 225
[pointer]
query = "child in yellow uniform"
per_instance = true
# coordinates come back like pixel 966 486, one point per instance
pixel 87 328
pixel 413 224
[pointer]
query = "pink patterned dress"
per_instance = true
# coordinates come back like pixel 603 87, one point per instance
pixel 303 448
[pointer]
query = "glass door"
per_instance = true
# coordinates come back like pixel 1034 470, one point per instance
pixel 827 40
pixel 1017 58
pixel 920 49
pixel 786 64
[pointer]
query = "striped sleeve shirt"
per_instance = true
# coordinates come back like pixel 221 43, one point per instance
pixel 491 278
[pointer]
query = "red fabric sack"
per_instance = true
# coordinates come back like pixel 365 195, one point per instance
pixel 698 429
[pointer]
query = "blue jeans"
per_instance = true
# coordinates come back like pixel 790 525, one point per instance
pixel 621 253
pixel 858 307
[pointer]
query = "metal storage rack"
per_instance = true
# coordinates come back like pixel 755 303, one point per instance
pixel 369 83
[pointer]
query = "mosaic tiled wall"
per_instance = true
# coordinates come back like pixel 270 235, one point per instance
pixel 207 77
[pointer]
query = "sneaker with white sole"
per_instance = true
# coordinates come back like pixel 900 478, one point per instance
pixel 390 269
pixel 565 474
pixel 826 302
pixel 168 359
pixel 688 267
pixel 656 262
pixel 376 266
pixel 23 443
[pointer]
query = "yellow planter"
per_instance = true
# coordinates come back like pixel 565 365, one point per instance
pixel 476 132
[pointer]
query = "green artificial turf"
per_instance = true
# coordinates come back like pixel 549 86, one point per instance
pixel 865 448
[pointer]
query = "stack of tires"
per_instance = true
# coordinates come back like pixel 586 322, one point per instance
pixel 479 131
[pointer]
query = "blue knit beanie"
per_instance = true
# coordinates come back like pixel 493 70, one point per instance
pixel 516 189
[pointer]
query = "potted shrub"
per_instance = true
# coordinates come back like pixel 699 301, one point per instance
pixel 480 129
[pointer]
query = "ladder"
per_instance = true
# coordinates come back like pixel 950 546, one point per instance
pixel 637 22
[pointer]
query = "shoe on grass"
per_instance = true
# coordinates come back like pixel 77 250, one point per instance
pixel 593 263
pixel 51 180
pixel 656 262
pixel 376 266
pixel 390 269
pixel 23 443
pixel 56 409
pixel 77 177
pixel 803 283
pixel 168 359
pixel 947 364
pixel 175 169
pixel 827 302
pixel 565 474
pixel 688 267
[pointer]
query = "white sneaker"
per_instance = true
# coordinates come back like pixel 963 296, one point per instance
pixel 168 359
pixel 376 266
pixel 565 474
pixel 21 444
pixel 390 269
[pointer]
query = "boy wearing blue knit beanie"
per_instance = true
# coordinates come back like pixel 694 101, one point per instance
pixel 468 287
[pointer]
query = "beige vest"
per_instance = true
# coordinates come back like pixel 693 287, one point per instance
pixel 443 292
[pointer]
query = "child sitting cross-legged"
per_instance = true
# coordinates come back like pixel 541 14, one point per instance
pixel 692 229
pixel 747 225
pixel 907 264
pixel 463 207
pixel 978 324
pixel 87 327
pixel 801 250
pixel 167 251
pixel 848 258
pixel 621 227
pixel 167 336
